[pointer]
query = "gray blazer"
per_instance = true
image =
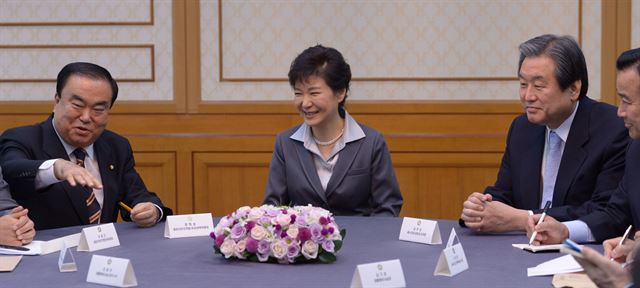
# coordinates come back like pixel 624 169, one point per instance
pixel 6 202
pixel 363 181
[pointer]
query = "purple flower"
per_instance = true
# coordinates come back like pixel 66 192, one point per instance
pixel 263 257
pixel 219 240
pixel 238 231
pixel 278 227
pixel 249 225
pixel 283 234
pixel 263 247
pixel 252 245
pixel 304 234
pixel 324 220
pixel 293 218
pixel 212 235
pixel 324 232
pixel 331 230
pixel 328 246
pixel 293 250
pixel 316 232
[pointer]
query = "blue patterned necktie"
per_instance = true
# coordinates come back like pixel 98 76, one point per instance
pixel 552 163
pixel 92 204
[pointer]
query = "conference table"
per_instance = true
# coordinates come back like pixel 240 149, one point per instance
pixel 190 262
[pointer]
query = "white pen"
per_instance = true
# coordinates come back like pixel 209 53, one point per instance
pixel 544 213
pixel 624 236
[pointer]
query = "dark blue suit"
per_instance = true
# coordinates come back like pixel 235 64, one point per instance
pixel 623 208
pixel 363 181
pixel 592 163
pixel 24 149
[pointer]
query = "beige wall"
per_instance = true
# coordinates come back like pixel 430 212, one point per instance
pixel 436 77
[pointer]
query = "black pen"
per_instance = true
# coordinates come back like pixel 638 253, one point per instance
pixel 544 213
pixel 19 248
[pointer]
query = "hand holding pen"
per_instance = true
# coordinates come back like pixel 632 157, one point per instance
pixel 544 214
pixel 618 248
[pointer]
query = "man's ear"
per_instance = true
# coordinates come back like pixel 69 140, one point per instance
pixel 575 90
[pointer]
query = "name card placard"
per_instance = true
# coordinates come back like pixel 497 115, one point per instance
pixel 452 259
pixel 379 274
pixel 420 231
pixel 98 237
pixel 66 261
pixel 111 271
pixel 190 225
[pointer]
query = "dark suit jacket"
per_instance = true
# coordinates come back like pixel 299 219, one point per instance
pixel 623 208
pixel 592 163
pixel 363 180
pixel 24 149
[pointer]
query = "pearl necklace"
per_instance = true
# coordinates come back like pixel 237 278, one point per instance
pixel 327 143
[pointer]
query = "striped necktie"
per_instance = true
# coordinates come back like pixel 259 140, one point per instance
pixel 92 204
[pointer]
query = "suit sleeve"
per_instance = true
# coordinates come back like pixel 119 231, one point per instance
pixel 136 191
pixel 387 199
pixel 502 190
pixel 607 180
pixel 17 168
pixel 276 193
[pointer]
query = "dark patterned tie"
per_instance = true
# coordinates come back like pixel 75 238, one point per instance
pixel 92 204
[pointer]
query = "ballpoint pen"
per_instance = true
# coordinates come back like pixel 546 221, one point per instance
pixel 544 213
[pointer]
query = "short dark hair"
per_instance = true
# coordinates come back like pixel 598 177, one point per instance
pixel 629 58
pixel 326 63
pixel 89 70
pixel 565 53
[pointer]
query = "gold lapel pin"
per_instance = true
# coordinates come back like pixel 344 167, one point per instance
pixel 111 167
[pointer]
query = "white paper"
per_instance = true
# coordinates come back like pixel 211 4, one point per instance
pixel 111 271
pixel 564 264
pixel 45 247
pixel 537 248
pixel 98 237
pixel 420 231
pixel 452 259
pixel 379 274
pixel 190 225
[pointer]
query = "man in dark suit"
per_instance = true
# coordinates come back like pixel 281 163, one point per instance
pixel 623 208
pixel 69 170
pixel 566 148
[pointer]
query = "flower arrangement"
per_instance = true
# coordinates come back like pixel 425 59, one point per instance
pixel 278 234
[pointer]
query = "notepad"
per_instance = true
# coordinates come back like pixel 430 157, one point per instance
pixel 564 264
pixel 45 247
pixel 539 248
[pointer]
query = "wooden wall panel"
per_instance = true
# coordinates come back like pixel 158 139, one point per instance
pixel 158 171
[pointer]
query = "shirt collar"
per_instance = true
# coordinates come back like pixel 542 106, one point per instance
pixel 565 127
pixel 352 131
pixel 68 147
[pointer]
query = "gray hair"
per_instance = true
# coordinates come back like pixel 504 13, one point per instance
pixel 565 53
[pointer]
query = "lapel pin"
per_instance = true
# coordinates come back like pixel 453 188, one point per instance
pixel 111 167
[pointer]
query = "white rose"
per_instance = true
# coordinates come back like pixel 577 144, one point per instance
pixel 239 249
pixel 243 211
pixel 310 249
pixel 228 247
pixel 292 232
pixel 279 249
pixel 283 219
pixel 258 232
pixel 255 214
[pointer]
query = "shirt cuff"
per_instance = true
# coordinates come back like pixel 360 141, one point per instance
pixel 161 213
pixel 579 231
pixel 45 175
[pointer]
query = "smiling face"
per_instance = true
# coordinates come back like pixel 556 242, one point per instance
pixel 540 94
pixel 628 86
pixel 317 103
pixel 81 111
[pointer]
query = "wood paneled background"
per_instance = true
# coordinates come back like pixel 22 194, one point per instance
pixel 213 156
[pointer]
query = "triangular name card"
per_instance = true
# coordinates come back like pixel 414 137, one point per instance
pixel 111 271
pixel 384 274
pixel 420 231
pixel 452 259
pixel 190 225
pixel 98 237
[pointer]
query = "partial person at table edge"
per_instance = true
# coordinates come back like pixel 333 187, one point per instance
pixel 69 170
pixel 15 226
pixel 566 148
pixel 330 160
